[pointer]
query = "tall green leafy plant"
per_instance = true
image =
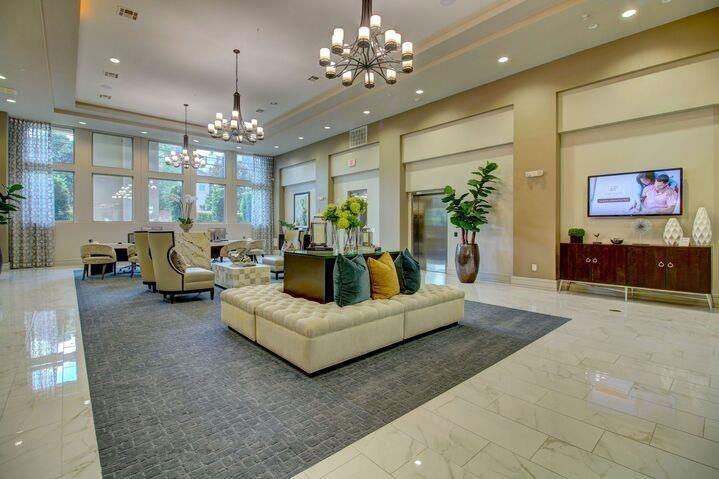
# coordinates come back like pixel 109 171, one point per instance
pixel 469 210
pixel 9 201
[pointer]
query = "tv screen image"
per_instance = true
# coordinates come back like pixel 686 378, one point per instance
pixel 640 193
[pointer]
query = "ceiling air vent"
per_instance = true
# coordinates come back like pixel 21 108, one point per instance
pixel 358 136
pixel 111 75
pixel 105 97
pixel 260 110
pixel 127 13
pixel 313 78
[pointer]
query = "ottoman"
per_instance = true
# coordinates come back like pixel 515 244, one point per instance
pixel 276 264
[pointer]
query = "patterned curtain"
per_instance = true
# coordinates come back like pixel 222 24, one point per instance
pixel 262 206
pixel 32 228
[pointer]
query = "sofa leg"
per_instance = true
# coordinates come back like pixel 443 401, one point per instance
pixel 84 271
pixel 212 294
pixel 103 271
pixel 132 270
pixel 172 299
pixel 154 288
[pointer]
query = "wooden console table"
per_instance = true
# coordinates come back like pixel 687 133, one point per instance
pixel 308 274
pixel 677 269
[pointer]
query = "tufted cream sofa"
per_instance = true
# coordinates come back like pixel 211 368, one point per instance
pixel 314 336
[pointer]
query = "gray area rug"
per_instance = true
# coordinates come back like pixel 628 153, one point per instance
pixel 177 394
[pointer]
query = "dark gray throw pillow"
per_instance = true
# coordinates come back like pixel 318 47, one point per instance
pixel 351 280
pixel 408 272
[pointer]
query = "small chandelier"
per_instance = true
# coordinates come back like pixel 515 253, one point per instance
pixel 370 54
pixel 183 159
pixel 236 129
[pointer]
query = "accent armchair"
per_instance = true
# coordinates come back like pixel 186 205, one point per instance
pixel 96 254
pixel 173 277
pixel 142 248
pixel 256 247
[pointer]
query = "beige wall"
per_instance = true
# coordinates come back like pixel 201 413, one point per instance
pixel 4 244
pixel 687 139
pixel 533 95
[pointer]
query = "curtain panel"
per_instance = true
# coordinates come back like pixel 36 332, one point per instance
pixel 32 228
pixel 262 199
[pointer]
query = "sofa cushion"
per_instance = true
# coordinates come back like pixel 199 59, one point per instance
pixel 311 319
pixel 429 295
pixel 198 275
pixel 408 273
pixel 351 280
pixel 249 297
pixel 178 261
pixel 383 277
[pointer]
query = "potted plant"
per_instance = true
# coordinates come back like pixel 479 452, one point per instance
pixel 468 212
pixel 9 200
pixel 576 235
pixel 186 221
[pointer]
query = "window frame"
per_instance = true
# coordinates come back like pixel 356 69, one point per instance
pixel 92 151
pixel 94 173
pixel 237 187
pixel 74 188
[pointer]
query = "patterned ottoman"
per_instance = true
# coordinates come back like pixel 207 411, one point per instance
pixel 228 275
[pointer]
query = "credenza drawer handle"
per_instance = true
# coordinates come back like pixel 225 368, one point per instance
pixel 594 260
pixel 670 265
pixel 588 260
pixel 661 264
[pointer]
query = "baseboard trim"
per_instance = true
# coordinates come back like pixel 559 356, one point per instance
pixel 536 283
pixel 68 262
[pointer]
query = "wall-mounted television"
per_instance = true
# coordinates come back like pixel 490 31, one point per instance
pixel 639 193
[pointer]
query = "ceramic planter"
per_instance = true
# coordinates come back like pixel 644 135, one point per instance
pixel 466 262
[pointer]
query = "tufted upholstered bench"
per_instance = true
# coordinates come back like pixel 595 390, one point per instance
pixel 314 336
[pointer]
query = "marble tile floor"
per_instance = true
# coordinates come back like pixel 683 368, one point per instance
pixel 623 390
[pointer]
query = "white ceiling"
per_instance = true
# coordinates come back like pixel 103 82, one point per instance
pixel 54 52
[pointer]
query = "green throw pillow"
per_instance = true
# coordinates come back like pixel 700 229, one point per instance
pixel 410 278
pixel 351 280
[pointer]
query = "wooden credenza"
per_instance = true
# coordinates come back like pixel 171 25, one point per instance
pixel 663 268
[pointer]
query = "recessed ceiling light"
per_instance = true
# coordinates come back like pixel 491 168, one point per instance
pixel 144 132
pixel 2 77
pixel 418 462
pixel 10 100
pixel 629 13
pixel 446 3
pixel 592 26
pixel 196 141
pixel 238 147
pixel 419 92
pixel 327 127
pixel 300 137
pixel 503 59
pixel 115 60
pixel 366 112
pixel 277 146
pixel 82 122
pixel 666 1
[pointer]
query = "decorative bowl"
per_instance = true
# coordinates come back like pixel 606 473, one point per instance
pixel 616 240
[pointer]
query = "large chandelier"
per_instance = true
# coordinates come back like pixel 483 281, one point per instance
pixel 183 158
pixel 370 54
pixel 236 129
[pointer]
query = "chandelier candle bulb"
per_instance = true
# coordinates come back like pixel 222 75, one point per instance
pixel 391 76
pixel 324 56
pixel 407 66
pixel 407 51
pixel 369 79
pixel 338 41
pixel 218 116
pixel 233 124
pixel 398 40
pixel 346 52
pixel 375 22
pixel 347 78
pixel 330 72
pixel 235 114
pixel 390 42
pixel 254 123
pixel 260 132
pixel 363 37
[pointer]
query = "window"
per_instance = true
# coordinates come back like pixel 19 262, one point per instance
pixel 210 203
pixel 244 167
pixel 62 145
pixel 111 198
pixel 157 154
pixel 215 166
pixel 112 151
pixel 244 204
pixel 164 200
pixel 64 182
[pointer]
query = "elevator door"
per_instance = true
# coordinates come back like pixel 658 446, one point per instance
pixel 429 232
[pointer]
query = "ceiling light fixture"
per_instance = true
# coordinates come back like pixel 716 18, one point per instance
pixel 503 59
pixel 592 26
pixel 236 129
pixel 144 132
pixel 115 60
pixel 366 112
pixel 419 92
pixel 196 141
pixel 183 159
pixel 629 13
pixel 2 77
pixel 82 122
pixel 300 137
pixel 10 100
pixel 277 146
pixel 327 127
pixel 369 54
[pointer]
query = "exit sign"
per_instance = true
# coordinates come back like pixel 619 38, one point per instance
pixel 351 162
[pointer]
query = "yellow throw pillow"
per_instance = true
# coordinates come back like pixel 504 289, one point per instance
pixel 383 277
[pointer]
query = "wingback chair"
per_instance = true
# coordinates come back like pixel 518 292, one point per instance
pixel 142 248
pixel 96 254
pixel 171 278
pixel 240 245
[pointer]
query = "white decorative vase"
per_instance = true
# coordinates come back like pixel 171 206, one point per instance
pixel 673 232
pixel 702 230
